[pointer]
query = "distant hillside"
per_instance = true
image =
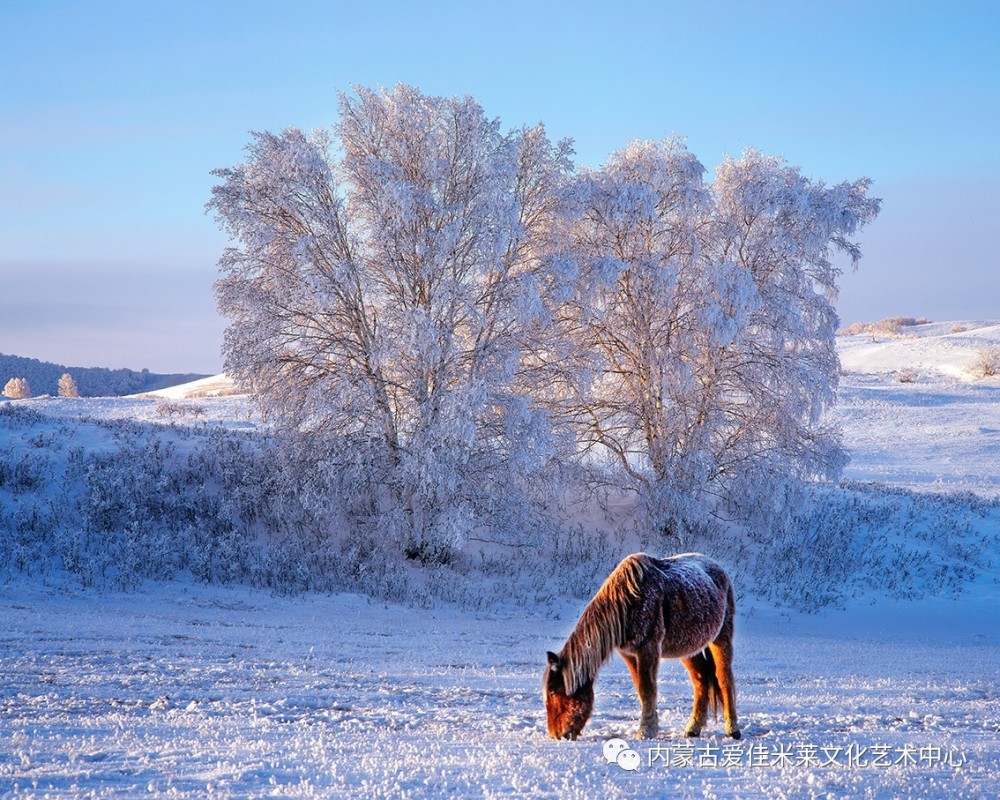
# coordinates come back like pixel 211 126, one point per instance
pixel 43 378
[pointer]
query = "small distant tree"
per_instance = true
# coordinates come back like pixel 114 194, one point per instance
pixel 17 389
pixel 67 386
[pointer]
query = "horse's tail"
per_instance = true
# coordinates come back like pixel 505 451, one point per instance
pixel 706 666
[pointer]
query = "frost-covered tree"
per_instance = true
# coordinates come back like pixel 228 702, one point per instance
pixel 17 389
pixel 67 386
pixel 774 384
pixel 641 317
pixel 705 313
pixel 386 290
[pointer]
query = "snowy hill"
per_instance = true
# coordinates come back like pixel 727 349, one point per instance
pixel 933 351
pixel 212 386
pixel 913 412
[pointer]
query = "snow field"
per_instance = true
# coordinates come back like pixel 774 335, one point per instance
pixel 196 691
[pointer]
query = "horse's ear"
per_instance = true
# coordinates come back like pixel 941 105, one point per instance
pixel 553 659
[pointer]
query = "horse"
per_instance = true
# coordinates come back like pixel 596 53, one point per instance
pixel 647 609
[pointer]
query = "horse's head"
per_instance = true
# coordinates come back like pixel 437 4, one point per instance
pixel 566 714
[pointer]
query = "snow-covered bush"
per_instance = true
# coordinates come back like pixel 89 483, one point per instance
pixel 987 362
pixel 171 408
pixel 141 509
pixel 890 327
pixel 214 505
pixel 866 540
pixel 161 502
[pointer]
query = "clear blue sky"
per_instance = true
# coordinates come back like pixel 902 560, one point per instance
pixel 112 115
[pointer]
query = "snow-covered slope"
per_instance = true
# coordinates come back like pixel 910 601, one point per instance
pixel 934 351
pixel 913 413
pixel 214 386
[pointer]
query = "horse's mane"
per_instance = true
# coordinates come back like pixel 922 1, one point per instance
pixel 602 624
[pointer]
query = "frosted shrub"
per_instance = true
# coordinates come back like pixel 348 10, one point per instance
pixel 142 510
pixel 212 505
pixel 890 327
pixel 987 362
pixel 172 408
pixel 864 539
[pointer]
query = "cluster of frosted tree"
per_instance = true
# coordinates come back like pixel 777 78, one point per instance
pixel 444 319
pixel 20 389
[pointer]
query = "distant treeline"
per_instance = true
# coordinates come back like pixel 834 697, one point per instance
pixel 43 378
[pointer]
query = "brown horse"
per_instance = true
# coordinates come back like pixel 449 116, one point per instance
pixel 648 609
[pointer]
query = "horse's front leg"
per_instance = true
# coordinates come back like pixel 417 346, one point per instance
pixel 644 666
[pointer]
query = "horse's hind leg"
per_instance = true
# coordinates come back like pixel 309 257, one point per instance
pixel 644 667
pixel 700 669
pixel 722 654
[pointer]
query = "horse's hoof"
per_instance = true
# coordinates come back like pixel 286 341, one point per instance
pixel 646 733
pixel 735 733
pixel 693 729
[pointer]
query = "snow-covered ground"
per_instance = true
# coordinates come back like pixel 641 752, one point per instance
pixel 193 691
pixel 205 692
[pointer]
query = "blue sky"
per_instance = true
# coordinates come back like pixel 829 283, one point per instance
pixel 112 115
